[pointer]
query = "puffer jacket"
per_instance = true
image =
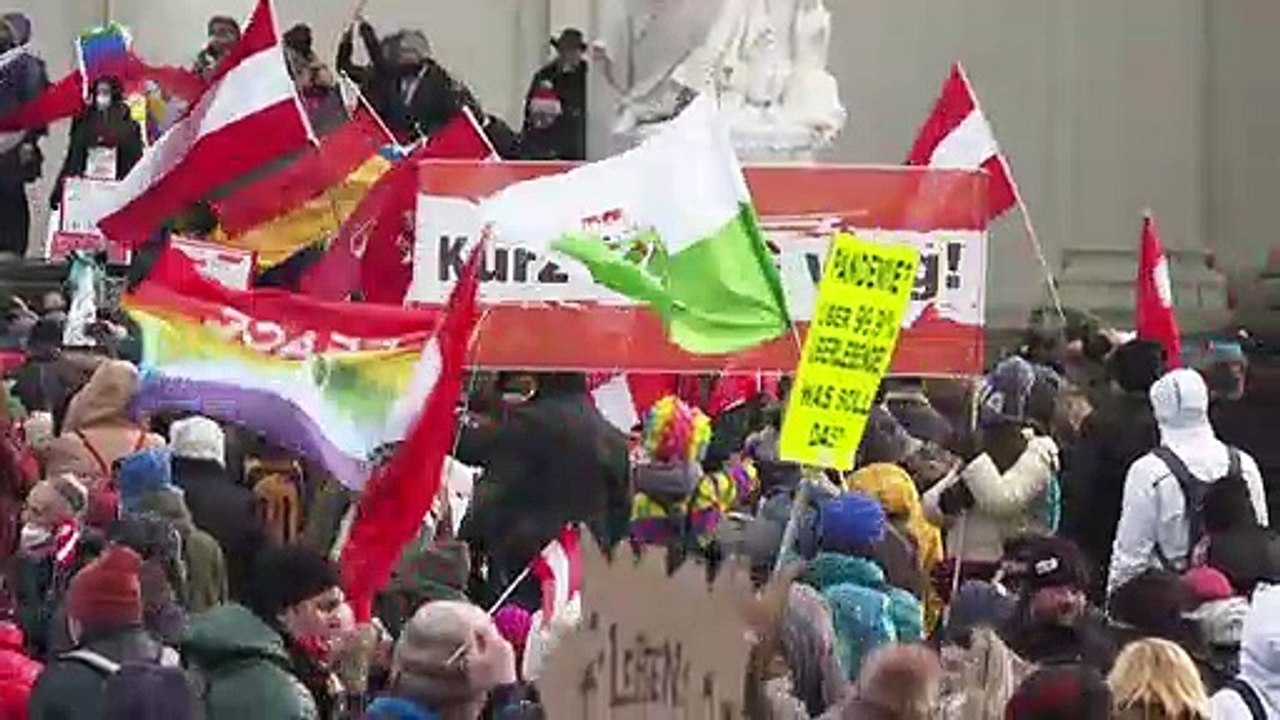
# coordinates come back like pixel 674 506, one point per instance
pixel 97 430
pixel 18 673
pixel 245 668
pixel 1259 661
pixel 1006 505
pixel 1154 519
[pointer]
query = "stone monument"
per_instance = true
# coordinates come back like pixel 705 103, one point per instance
pixel 765 60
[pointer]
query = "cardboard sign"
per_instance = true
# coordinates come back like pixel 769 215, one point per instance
pixel 545 311
pixel 865 290
pixel 230 267
pixel 75 223
pixel 632 658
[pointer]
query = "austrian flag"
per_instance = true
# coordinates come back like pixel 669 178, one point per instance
pixel 248 116
pixel 559 571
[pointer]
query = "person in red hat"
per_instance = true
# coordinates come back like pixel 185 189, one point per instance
pixel 104 615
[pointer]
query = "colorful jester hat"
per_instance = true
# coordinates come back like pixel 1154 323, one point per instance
pixel 676 432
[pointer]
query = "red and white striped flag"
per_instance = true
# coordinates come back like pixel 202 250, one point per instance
pixel 559 571
pixel 1154 317
pixel 250 114
pixel 958 136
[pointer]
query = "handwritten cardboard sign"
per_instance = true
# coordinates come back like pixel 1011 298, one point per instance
pixel 650 646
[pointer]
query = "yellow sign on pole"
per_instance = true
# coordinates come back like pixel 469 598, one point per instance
pixel 864 292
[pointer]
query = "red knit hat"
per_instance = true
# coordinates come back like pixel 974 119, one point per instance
pixel 107 591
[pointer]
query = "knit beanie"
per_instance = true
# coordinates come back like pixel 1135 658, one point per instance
pixel 142 473
pixel 1136 365
pixel 421 667
pixel 1005 393
pixel 1205 584
pixel 851 523
pixel 286 575
pixel 1063 692
pixel 198 438
pixel 107 592
pixel 514 624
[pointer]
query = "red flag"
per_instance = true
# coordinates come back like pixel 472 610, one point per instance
pixel 248 116
pixel 373 252
pixel 401 493
pixel 1155 318
pixel 958 136
pixel 559 571
pixel 730 391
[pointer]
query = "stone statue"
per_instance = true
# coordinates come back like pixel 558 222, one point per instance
pixel 764 59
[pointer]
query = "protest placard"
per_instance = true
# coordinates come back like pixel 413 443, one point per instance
pixel 864 292
pixel 230 267
pixel 633 658
pixel 84 202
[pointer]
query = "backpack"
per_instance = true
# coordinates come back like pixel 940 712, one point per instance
pixel 1248 696
pixel 156 538
pixel 1193 491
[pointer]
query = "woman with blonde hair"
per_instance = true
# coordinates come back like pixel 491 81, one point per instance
pixel 1155 679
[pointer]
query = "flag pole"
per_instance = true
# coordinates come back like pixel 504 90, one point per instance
pixel 1027 225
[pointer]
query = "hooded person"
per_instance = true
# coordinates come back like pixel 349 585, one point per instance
pixel 97 430
pixel 104 613
pixel 20 161
pixel 206 568
pixel 1010 488
pixel 856 524
pixel 1117 433
pixel 18 673
pixel 219 505
pixel 1162 519
pixel 1255 692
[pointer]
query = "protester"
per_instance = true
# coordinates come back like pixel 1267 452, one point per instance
pixel 205 564
pixel 104 614
pixel 52 547
pixel 1062 692
pixel 219 505
pixel 1118 432
pixel 1225 369
pixel 20 162
pixel 224 34
pixel 1255 692
pixel 427 680
pixel 18 673
pixel 900 682
pixel 1152 533
pixel 1156 680
pixel 808 637
pixel 105 141
pixel 97 430
pixel 555 111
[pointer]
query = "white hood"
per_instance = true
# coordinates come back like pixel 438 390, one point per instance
pixel 1180 402
pixel 1260 647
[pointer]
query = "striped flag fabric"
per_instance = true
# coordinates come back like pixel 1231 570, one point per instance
pixel 558 569
pixel 103 52
pixel 958 136
pixel 1154 316
pixel 249 115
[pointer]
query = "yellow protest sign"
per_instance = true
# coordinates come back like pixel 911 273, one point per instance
pixel 864 291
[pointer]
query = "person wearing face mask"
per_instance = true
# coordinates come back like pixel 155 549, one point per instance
pixel 105 141
pixel 224 33
pixel 53 546
pixel 24 78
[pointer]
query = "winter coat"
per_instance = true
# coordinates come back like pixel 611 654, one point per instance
pixel 1154 520
pixel 1259 660
pixel 97 430
pixel 551 461
pixel 567 135
pixel 48 382
pixel 71 689
pixel 245 668
pixel 1111 439
pixel 26 78
pixel 206 567
pixel 227 511
pixel 39 587
pixel 1006 505
pixel 18 674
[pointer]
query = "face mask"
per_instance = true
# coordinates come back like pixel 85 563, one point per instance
pixel 33 536
pixel 515 398
pixel 102 102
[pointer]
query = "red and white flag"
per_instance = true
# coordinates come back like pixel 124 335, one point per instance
pixel 958 136
pixel 624 398
pixel 559 571
pixel 250 114
pixel 1154 317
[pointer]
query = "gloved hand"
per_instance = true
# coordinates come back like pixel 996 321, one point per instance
pixel 956 500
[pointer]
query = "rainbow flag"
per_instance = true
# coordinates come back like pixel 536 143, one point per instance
pixel 313 385
pixel 103 52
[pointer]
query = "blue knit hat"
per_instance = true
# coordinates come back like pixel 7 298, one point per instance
pixel 142 473
pixel 1005 393
pixel 850 523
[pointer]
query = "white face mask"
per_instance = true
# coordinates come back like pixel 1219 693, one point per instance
pixel 33 536
pixel 102 102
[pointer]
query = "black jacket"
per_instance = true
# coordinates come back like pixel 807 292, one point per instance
pixel 72 689
pixel 1111 439
pixel 1088 642
pixel 114 128
pixel 227 511
pixel 548 462
pixel 566 139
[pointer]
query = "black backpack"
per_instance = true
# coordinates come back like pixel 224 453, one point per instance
pixel 1194 490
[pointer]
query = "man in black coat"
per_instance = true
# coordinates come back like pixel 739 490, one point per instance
pixel 549 459
pixel 22 80
pixel 1116 434
pixel 555 107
